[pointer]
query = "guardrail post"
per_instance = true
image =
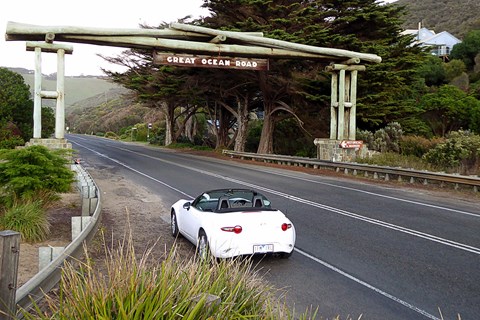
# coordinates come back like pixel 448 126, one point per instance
pixel 9 249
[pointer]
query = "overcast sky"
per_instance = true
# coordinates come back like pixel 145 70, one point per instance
pixel 90 13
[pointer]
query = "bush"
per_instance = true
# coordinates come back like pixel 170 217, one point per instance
pixel 417 146
pixel 460 153
pixel 383 140
pixel 11 142
pixel 25 172
pixel 111 135
pixel 391 159
pixel 29 219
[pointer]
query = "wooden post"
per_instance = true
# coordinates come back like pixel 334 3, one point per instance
pixel 334 107
pixel 9 253
pixel 341 106
pixel 59 94
pixel 60 110
pixel 343 102
pixel 353 110
pixel 346 128
pixel 37 102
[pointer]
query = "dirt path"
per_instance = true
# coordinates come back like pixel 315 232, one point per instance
pixel 126 207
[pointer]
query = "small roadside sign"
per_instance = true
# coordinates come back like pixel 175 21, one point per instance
pixel 351 144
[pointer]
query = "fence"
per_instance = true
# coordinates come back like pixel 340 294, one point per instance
pixel 376 172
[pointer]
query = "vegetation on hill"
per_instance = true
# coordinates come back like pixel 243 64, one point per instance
pixel 77 88
pixel 455 16
pixel 109 112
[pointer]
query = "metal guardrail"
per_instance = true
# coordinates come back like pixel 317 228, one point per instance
pixel 48 277
pixel 387 173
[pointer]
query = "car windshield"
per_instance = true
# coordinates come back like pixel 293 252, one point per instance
pixel 231 200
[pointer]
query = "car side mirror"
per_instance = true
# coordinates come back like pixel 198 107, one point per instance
pixel 186 205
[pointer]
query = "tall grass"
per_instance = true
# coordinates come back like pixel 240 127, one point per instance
pixel 28 218
pixel 172 288
pixel 392 159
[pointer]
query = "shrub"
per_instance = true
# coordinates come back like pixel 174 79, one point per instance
pixel 391 159
pixel 29 219
pixel 111 135
pixel 417 146
pixel 25 172
pixel 366 136
pixel 383 140
pixel 460 152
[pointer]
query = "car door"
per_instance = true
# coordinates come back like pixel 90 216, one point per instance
pixel 191 223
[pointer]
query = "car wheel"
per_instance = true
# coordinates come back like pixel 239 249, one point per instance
pixel 286 255
pixel 202 247
pixel 174 225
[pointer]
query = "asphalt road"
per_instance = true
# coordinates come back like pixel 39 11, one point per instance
pixel 362 249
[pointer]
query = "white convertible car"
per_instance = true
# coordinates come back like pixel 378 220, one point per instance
pixel 233 222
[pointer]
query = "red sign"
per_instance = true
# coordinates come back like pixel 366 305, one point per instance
pixel 351 144
pixel 185 60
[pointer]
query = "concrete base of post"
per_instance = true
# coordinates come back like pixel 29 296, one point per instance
pixel 50 143
pixel 79 224
pixel 47 254
pixel 330 150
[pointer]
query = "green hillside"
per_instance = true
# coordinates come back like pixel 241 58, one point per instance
pixel 76 88
pixel 455 16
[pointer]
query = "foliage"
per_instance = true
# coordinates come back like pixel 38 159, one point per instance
pixel 393 159
pixel 453 69
pixel 449 109
pixel 460 152
pixel 28 218
pixel 111 135
pixel 175 288
pixel 16 108
pixel 291 140
pixel 433 71
pixel 253 135
pixel 9 135
pixel 383 140
pixel 417 145
pixel 27 171
pixel 468 48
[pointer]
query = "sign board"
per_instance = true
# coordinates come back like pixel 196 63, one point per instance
pixel 351 144
pixel 185 60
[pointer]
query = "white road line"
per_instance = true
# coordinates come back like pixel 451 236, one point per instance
pixel 296 177
pixel 391 226
pixel 378 195
pixel 369 286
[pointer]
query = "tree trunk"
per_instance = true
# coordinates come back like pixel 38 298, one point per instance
pixel 265 145
pixel 169 123
pixel 222 130
pixel 242 122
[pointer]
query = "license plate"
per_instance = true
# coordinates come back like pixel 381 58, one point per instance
pixel 263 248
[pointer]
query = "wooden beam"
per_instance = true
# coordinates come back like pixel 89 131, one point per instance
pixel 279 43
pixel 180 46
pixel 21 31
pixel 336 66
pixel 49 47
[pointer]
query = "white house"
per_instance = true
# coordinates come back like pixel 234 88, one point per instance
pixel 441 43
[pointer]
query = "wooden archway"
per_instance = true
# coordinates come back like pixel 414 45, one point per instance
pixel 188 39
